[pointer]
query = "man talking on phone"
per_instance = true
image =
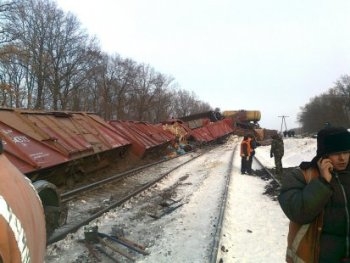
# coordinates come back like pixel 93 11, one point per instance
pixel 316 198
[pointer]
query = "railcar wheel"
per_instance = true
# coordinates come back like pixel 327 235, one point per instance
pixel 55 214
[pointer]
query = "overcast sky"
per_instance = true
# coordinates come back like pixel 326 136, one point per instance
pixel 271 55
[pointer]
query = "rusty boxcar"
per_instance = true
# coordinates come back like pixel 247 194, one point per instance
pixel 56 148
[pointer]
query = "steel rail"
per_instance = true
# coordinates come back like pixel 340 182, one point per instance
pixel 217 235
pixel 66 196
pixel 216 240
pixel 268 171
pixel 65 230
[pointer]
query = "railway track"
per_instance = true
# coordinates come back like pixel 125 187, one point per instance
pixel 144 213
pixel 262 172
pixel 267 172
pixel 116 190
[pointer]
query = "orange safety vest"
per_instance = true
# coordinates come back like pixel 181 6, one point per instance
pixel 22 219
pixel 303 240
pixel 249 150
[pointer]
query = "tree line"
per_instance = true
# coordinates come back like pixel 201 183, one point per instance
pixel 48 62
pixel 329 108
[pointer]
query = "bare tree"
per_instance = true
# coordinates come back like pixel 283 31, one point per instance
pixel 49 62
pixel 5 8
pixel 116 85
pixel 161 108
pixel 125 76
pixel 186 103
pixel 12 77
pixel 142 93
pixel 331 107
pixel 72 56
pixel 54 51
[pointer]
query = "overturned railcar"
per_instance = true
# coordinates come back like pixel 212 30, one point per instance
pixel 212 132
pixel 207 127
pixel 244 118
pixel 198 120
pixel 55 148
pixel 145 138
pixel 58 145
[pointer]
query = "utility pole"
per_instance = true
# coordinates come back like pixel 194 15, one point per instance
pixel 283 122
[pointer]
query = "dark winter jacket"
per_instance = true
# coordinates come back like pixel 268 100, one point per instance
pixel 253 145
pixel 303 202
pixel 277 147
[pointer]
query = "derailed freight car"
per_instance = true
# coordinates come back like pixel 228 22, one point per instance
pixel 39 143
pixel 202 128
pixel 145 138
pixel 53 148
pixel 244 118
pixel 240 122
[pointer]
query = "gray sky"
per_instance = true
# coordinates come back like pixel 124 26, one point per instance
pixel 271 55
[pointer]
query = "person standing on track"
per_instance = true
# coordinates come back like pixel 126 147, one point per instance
pixel 315 197
pixel 245 155
pixel 253 144
pixel 277 151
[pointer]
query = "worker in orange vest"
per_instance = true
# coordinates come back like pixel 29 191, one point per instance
pixel 245 155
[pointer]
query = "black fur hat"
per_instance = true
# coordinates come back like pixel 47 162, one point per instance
pixel 332 140
pixel 329 140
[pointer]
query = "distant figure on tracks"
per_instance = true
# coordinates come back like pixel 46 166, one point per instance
pixel 253 145
pixel 315 197
pixel 277 151
pixel 245 155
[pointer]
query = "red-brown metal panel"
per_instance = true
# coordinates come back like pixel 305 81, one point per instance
pixel 202 135
pixel 113 138
pixel 36 140
pixel 144 136
pixel 212 131
pixel 219 129
pixel 229 122
pixel 64 133
pixel 26 153
pixel 79 134
pixel 138 147
pixel 153 132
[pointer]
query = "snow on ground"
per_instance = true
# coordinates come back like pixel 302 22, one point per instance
pixel 187 238
pixel 254 230
pixel 296 150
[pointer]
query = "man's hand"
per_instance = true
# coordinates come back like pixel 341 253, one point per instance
pixel 326 167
